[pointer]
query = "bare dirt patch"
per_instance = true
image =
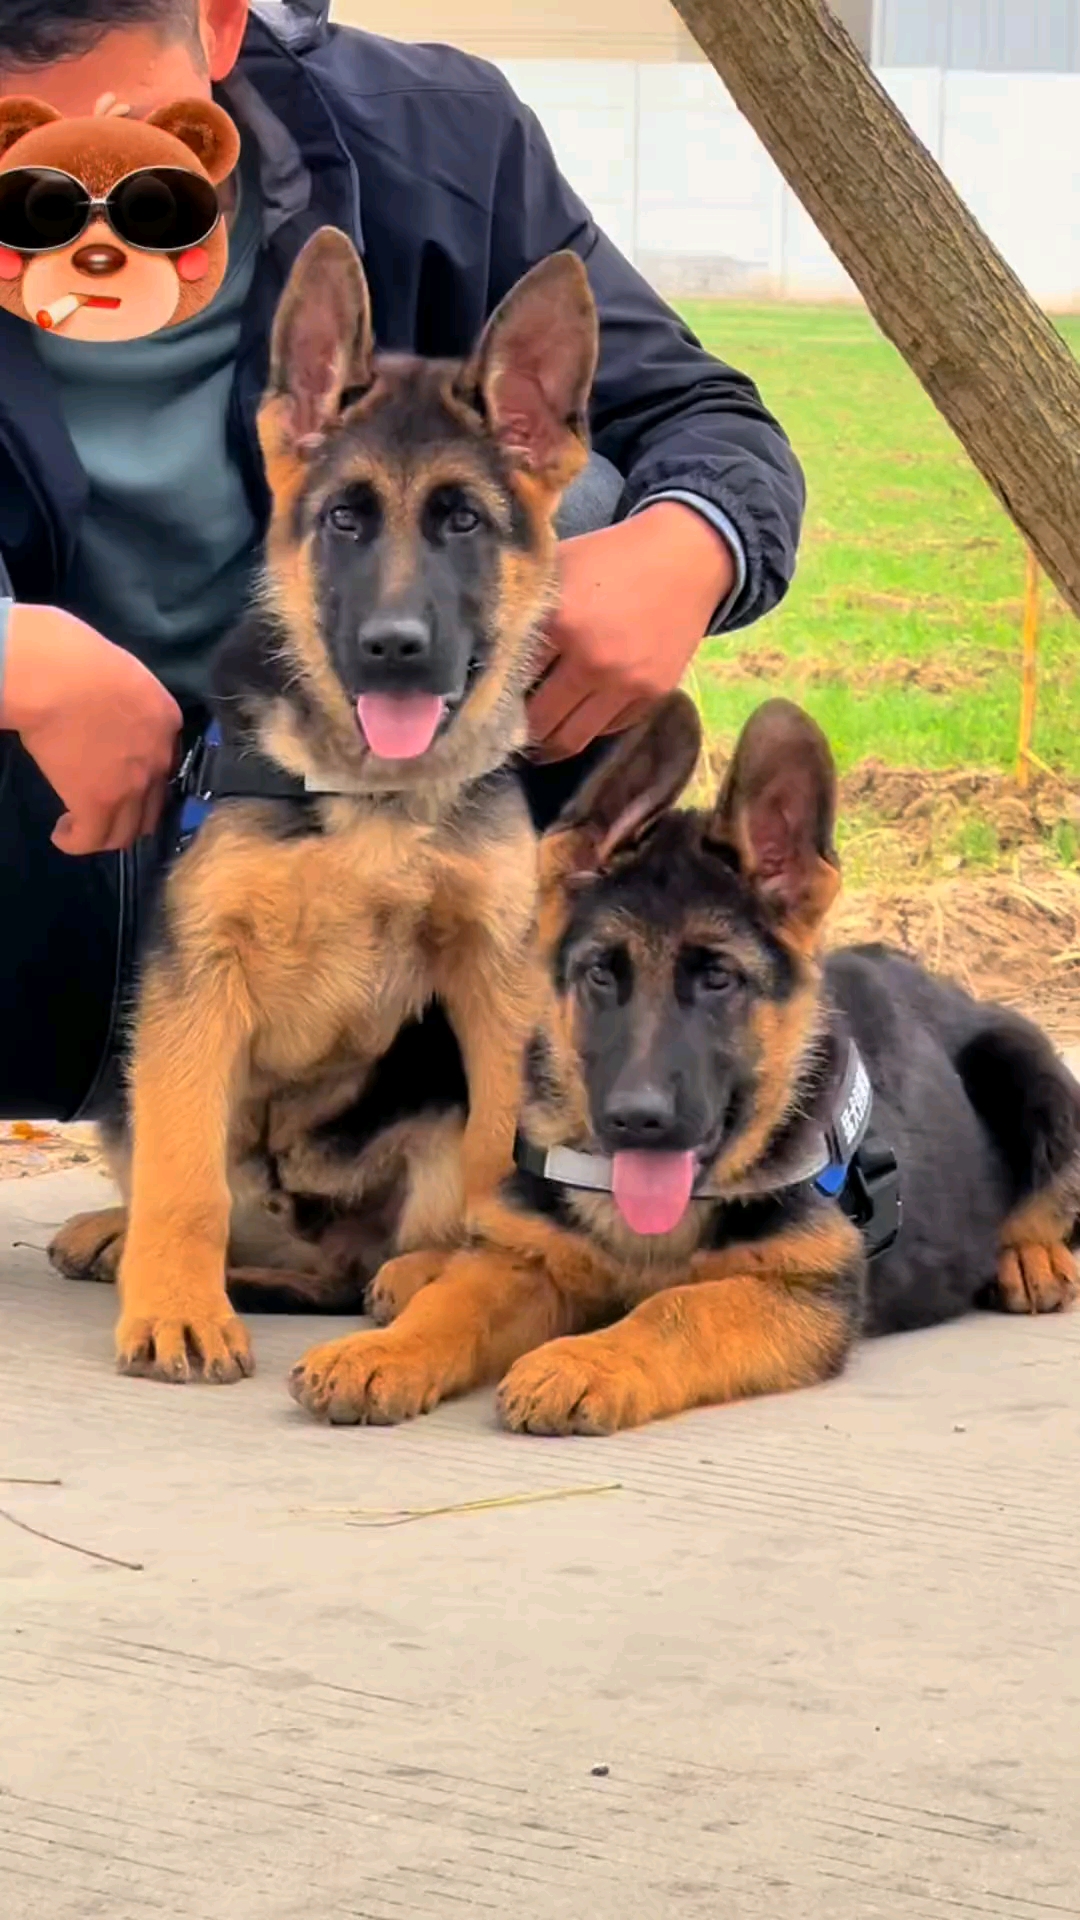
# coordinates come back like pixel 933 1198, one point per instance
pixel 1013 938
pixel 770 665
pixel 964 872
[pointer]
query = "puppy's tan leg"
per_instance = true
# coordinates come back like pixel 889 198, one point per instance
pixel 399 1281
pixel 460 1332
pixel 491 1012
pixel 1035 1277
pixel 89 1246
pixel 191 1040
pixel 687 1347
pixel 1036 1270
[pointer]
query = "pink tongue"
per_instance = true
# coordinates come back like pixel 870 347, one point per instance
pixel 399 726
pixel 652 1190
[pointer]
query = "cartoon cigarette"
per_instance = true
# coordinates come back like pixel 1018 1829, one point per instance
pixel 61 310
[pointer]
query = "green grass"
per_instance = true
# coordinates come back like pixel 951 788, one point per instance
pixel 901 633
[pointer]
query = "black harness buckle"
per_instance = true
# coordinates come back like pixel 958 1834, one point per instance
pixel 871 1196
pixel 192 791
pixel 211 771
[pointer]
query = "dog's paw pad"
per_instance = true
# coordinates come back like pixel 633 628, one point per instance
pixel 1036 1279
pixel 214 1348
pixel 559 1389
pixel 368 1379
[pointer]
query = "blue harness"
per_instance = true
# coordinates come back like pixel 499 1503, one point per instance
pixel 213 771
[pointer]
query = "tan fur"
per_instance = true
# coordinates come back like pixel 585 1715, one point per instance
pixel 688 1346
pixel 492 724
pixel 285 957
pixel 460 1331
pixel 786 1036
pixel 700 1326
pixel 1037 1271
pixel 745 1322
pixel 288 966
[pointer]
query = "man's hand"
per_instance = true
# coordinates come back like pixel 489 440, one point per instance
pixel 100 727
pixel 635 605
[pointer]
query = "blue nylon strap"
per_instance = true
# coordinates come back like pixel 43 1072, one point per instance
pixel 196 806
pixel 831 1180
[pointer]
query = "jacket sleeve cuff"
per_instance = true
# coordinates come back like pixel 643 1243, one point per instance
pixel 5 614
pixel 722 525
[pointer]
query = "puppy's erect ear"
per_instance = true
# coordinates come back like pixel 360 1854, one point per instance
pixel 206 129
pixel 641 776
pixel 322 342
pixel 534 367
pixel 22 114
pixel 777 811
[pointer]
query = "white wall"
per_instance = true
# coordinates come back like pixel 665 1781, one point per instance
pixel 682 184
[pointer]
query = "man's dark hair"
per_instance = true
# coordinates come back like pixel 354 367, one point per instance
pixel 35 33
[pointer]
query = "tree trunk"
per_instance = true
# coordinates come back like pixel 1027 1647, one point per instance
pixel 986 354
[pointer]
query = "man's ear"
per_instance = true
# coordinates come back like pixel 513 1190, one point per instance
pixel 534 367
pixel 638 780
pixel 206 129
pixel 322 342
pixel 777 811
pixel 21 114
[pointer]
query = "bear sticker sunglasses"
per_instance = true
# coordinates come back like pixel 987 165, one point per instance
pixel 153 210
pixel 112 227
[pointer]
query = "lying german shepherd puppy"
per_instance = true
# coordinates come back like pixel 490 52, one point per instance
pixel 694 1153
pixel 410 559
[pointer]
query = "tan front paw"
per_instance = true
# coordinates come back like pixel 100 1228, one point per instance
pixel 89 1246
pixel 367 1379
pixel 178 1345
pixel 399 1281
pixel 1035 1279
pixel 572 1386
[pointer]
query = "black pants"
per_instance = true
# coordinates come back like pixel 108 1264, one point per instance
pixel 69 932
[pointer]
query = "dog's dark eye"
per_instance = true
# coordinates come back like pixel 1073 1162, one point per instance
pixel 601 975
pixel 716 977
pixel 354 513
pixel 451 513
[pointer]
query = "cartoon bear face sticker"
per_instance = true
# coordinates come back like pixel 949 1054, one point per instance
pixel 110 228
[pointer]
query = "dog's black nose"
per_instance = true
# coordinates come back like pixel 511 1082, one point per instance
pixel 642 1116
pixel 395 642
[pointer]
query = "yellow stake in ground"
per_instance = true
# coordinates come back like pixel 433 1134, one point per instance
pixel 1032 611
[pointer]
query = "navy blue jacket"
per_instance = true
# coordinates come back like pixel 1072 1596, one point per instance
pixel 449 188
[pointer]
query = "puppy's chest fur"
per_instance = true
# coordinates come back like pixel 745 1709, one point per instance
pixel 635 1268
pixel 344 933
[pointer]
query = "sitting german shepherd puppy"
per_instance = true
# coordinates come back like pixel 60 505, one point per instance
pixel 694 1100
pixel 410 559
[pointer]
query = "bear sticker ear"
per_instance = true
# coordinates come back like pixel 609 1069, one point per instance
pixel 21 114
pixel 206 129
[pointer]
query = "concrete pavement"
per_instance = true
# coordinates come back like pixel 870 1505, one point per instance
pixel 824 1647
